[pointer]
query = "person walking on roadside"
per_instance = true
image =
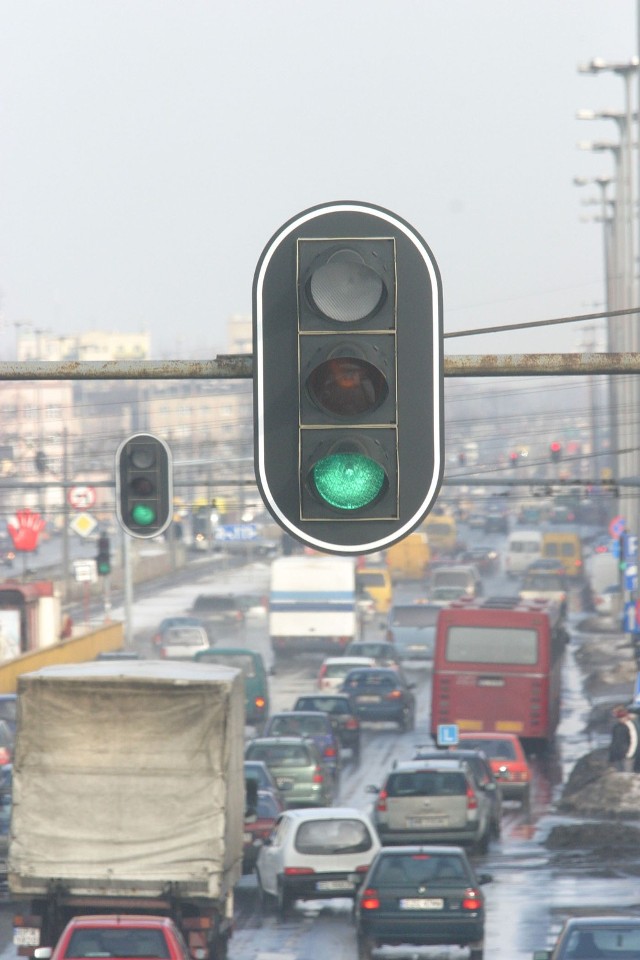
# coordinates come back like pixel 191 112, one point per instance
pixel 623 749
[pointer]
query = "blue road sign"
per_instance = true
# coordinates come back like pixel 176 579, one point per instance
pixel 629 617
pixel 614 549
pixel 631 577
pixel 447 734
pixel 236 531
pixel 630 547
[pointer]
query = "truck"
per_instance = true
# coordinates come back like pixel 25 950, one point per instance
pixel 128 797
pixel 408 559
pixel 313 604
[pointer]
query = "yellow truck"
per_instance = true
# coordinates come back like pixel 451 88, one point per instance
pixel 441 532
pixel 409 558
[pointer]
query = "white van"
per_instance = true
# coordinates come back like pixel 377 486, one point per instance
pixel 523 548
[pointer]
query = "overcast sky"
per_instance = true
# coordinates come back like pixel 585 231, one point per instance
pixel 150 148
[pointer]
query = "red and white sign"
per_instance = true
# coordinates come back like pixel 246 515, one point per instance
pixel 82 498
pixel 25 528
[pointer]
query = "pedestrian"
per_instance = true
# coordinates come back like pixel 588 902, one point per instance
pixel 623 749
pixel 66 630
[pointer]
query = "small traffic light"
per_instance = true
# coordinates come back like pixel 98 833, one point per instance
pixel 348 378
pixel 555 449
pixel 41 461
pixel 103 560
pixel 513 458
pixel 144 486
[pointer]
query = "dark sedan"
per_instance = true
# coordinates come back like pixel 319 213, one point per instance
pixel 341 713
pixel 380 694
pixel 420 896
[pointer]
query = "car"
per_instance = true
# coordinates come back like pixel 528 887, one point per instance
pixel 315 855
pixel 421 896
pixel 475 520
pixel 258 772
pixel 341 713
pixel 182 643
pixel 508 762
pixel 297 768
pixel 432 801
pixel 411 628
pixel 383 653
pixel 545 580
pixel 118 935
pixel 595 938
pixel 380 694
pixel 496 520
pixel 333 670
pixel 455 580
pixel 486 559
pixel 608 602
pixel 9 710
pixel 312 724
pixel 481 769
pixel 258 826
pixel 170 623
pixel 218 608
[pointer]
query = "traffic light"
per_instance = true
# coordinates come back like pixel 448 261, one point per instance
pixel 103 560
pixel 144 486
pixel 41 461
pixel 555 449
pixel 348 377
pixel 513 458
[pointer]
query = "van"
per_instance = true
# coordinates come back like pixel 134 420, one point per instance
pixel 376 581
pixel 256 685
pixel 409 558
pixel 524 547
pixel 458 580
pixel 564 546
pixel 441 532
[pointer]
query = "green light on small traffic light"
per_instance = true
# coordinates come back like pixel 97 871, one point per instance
pixel 348 481
pixel 143 514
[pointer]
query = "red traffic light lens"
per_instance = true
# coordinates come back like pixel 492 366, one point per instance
pixel 345 288
pixel 142 486
pixel 345 386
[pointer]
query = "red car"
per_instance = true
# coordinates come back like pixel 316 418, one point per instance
pixel 259 827
pixel 508 762
pixel 119 936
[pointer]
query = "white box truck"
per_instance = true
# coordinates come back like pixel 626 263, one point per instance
pixel 313 604
pixel 128 797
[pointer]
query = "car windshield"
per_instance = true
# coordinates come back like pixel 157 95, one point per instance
pixel 298 726
pixel 426 783
pixel 242 661
pixel 120 942
pixel 337 669
pixel 329 837
pixel 332 705
pixel 279 754
pixel 8 710
pixel 494 749
pixel 603 943
pixel 414 616
pixel 543 581
pixel 362 679
pixel 419 868
pixel 372 650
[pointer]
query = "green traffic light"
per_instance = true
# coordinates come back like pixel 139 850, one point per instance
pixel 143 514
pixel 348 481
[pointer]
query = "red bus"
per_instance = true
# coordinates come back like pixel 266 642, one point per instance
pixel 497 667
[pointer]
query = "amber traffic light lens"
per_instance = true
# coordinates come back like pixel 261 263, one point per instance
pixel 347 386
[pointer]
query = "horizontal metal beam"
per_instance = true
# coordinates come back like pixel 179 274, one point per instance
pixel 239 366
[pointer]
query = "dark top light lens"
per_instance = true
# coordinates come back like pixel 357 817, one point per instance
pixel 345 386
pixel 142 456
pixel 345 288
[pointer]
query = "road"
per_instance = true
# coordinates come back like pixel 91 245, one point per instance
pixel 530 894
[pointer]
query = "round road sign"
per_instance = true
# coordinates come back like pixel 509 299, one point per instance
pixel 617 526
pixel 82 498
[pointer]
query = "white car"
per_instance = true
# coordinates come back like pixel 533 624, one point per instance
pixel 314 855
pixel 333 670
pixel 182 643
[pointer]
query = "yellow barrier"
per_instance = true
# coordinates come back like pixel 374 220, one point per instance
pixel 75 650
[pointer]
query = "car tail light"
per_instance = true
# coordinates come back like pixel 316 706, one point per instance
pixel 394 695
pixel 363 868
pixel 472 800
pixel 343 641
pixel 352 724
pixel 471 900
pixel 298 871
pixel 329 751
pixel 381 804
pixel 5 755
pixel 370 900
pixel 317 776
pixel 239 615
pixel 163 653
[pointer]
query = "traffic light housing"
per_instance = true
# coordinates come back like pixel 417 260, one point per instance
pixel 103 560
pixel 144 486
pixel 555 450
pixel 348 378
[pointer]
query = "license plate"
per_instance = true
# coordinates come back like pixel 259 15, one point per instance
pixel 284 783
pixel 422 903
pixel 368 699
pixel 426 821
pixel 26 936
pixel 334 885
